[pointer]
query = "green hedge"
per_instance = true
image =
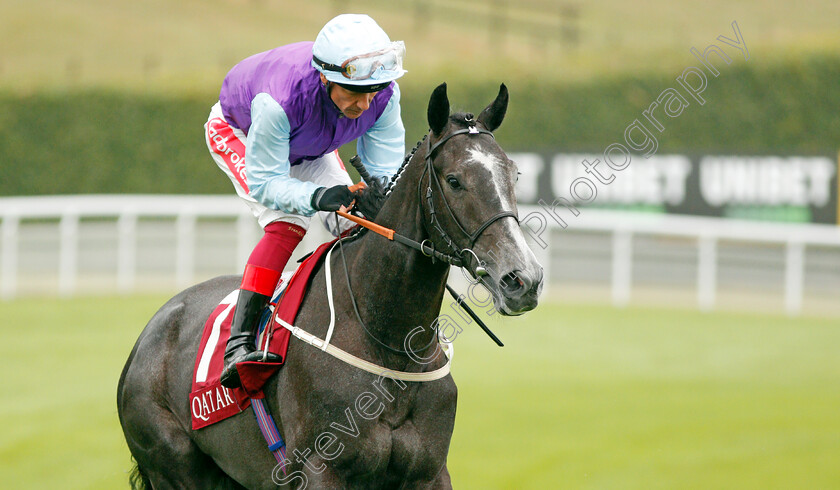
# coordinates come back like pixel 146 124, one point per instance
pixel 108 142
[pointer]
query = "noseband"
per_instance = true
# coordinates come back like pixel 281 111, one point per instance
pixel 459 255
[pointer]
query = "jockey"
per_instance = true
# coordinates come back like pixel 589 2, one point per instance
pixel 275 131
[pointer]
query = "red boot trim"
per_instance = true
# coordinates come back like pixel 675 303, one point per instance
pixel 260 280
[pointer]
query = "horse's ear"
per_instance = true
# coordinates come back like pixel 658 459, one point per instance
pixel 493 115
pixel 438 112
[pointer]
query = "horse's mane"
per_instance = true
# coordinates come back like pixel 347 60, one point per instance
pixel 457 118
pixel 404 164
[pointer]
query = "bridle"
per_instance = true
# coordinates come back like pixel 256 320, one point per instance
pixel 459 255
pixel 426 247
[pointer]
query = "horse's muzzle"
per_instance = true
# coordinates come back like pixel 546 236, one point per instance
pixel 520 291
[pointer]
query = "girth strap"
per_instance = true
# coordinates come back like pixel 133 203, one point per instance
pixel 367 365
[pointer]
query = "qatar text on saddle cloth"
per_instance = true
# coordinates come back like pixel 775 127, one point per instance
pixel 211 402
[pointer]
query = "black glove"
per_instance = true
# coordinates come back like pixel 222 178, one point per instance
pixel 332 199
pixel 370 199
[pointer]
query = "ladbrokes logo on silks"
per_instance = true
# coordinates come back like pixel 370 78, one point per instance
pixel 227 145
pixel 212 404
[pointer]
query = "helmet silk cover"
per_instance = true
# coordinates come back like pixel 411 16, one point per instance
pixel 352 49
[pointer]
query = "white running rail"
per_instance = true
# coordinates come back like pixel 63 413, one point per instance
pixel 70 213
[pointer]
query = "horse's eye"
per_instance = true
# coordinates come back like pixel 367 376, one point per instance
pixel 453 182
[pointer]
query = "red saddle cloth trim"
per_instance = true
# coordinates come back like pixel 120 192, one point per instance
pixel 255 374
pixel 210 402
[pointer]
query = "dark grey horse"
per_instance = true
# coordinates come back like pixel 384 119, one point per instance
pixel 346 428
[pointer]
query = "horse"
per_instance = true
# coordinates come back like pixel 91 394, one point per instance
pixel 454 194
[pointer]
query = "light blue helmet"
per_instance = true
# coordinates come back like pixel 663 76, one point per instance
pixel 353 50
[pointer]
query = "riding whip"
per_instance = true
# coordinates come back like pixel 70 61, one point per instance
pixel 356 162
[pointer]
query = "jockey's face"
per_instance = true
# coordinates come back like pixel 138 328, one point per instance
pixel 351 104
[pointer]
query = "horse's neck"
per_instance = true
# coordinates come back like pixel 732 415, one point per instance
pixel 397 287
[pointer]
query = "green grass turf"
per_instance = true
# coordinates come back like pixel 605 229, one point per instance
pixel 580 397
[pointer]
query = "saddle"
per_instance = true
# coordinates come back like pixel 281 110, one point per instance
pixel 210 402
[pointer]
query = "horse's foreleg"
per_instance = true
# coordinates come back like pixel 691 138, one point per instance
pixel 169 458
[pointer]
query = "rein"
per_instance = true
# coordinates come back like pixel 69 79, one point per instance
pixel 359 316
pixel 426 249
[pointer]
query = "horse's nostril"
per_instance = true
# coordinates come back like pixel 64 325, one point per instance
pixel 514 284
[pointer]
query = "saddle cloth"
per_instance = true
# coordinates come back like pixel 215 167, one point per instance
pixel 210 402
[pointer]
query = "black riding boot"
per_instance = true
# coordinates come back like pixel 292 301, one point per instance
pixel 243 334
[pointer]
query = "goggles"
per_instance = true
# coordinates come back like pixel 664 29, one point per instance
pixel 367 66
